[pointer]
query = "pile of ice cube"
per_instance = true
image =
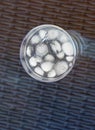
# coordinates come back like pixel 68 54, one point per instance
pixel 50 53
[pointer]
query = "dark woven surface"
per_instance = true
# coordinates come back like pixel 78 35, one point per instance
pixel 26 104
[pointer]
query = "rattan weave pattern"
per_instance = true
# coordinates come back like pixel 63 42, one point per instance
pixel 26 104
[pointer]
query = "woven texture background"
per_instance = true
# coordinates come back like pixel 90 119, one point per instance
pixel 26 104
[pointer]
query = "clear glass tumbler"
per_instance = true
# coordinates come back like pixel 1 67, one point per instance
pixel 48 52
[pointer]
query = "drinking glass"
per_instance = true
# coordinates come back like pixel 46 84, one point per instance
pixel 48 53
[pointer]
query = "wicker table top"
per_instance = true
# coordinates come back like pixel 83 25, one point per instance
pixel 26 104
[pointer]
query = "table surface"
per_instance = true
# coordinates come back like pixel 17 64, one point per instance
pixel 27 104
